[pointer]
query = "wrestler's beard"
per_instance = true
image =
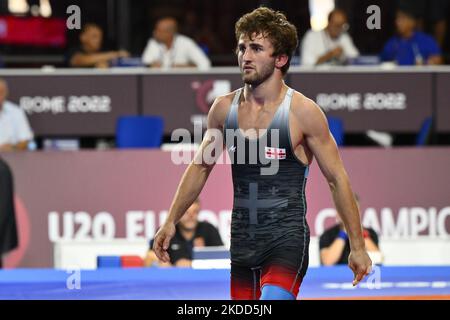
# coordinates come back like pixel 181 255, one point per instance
pixel 256 78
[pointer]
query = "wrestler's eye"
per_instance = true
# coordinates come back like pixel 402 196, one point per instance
pixel 256 48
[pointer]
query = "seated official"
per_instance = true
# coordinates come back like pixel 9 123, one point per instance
pixel 334 244
pixel 410 47
pixel 190 233
pixel 330 46
pixel 90 54
pixel 15 130
pixel 168 49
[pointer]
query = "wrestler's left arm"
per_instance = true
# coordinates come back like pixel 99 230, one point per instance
pixel 319 140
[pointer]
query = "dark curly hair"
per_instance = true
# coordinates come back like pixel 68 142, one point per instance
pixel 273 25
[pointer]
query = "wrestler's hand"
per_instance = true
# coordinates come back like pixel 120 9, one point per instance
pixel 162 241
pixel 360 264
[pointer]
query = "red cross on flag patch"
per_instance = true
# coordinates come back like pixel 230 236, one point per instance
pixel 275 153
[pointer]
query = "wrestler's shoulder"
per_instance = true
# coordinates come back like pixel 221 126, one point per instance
pixel 225 99
pixel 222 104
pixel 303 106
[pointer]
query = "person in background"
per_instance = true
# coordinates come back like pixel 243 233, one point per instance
pixel 439 16
pixel 332 45
pixel 430 15
pixel 15 130
pixel 190 233
pixel 89 54
pixel 410 46
pixel 8 229
pixel 169 49
pixel 335 247
pixel 15 134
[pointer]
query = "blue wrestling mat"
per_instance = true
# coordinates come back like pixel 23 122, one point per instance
pixel 191 284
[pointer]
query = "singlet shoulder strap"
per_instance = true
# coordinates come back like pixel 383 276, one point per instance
pixel 236 97
pixel 231 120
pixel 288 99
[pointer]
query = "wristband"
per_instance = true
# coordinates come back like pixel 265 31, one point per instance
pixel 366 234
pixel 343 235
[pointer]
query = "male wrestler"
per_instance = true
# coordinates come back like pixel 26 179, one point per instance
pixel 269 232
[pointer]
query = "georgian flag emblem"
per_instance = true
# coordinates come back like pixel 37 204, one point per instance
pixel 275 153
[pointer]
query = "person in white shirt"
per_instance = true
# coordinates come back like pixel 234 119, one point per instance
pixel 15 131
pixel 168 49
pixel 331 45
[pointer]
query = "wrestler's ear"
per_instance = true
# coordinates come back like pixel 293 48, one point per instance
pixel 281 60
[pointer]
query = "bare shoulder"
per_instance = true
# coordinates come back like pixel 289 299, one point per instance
pixel 302 105
pixel 307 113
pixel 224 101
pixel 220 107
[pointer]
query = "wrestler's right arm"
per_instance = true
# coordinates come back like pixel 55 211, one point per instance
pixel 194 178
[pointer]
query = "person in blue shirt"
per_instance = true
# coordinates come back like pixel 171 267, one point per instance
pixel 409 46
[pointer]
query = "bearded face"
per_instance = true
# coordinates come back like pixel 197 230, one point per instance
pixel 255 57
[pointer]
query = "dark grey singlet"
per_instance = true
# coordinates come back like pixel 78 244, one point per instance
pixel 269 210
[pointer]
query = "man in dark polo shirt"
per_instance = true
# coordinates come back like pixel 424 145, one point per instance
pixel 334 244
pixel 190 233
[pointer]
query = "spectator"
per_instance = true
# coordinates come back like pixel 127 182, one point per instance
pixel 190 233
pixel 410 47
pixel 89 54
pixel 15 131
pixel 168 49
pixel 331 45
pixel 335 247
pixel 8 230
pixel 439 12
pixel 430 15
